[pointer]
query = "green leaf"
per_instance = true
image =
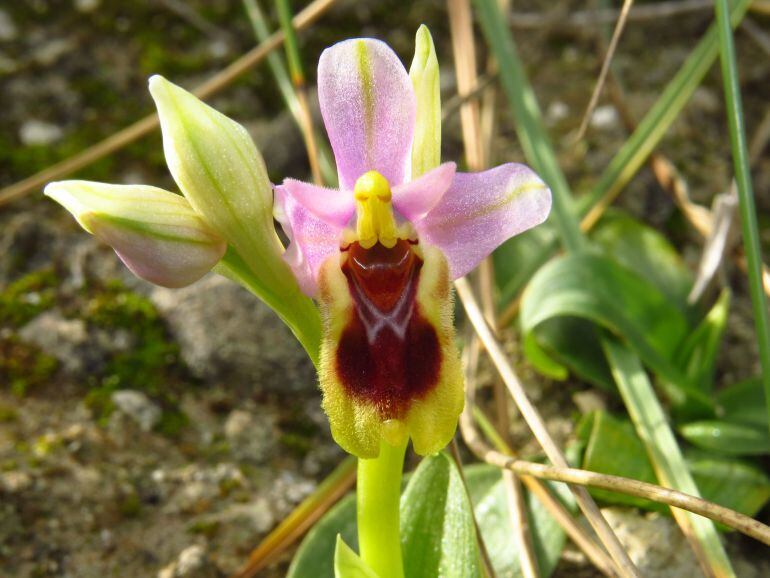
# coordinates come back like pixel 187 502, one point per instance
pixel 348 564
pixel 438 537
pixel 316 555
pixel 597 289
pixel 612 447
pixel 728 438
pixel 519 258
pixel 698 354
pixel 743 402
pixel 490 499
pixel 645 251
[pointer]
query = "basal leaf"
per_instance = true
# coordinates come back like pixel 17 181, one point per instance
pixel 728 438
pixel 438 537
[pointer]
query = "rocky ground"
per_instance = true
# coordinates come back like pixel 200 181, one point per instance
pixel 150 432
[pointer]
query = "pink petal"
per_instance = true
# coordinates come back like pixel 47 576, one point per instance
pixel 368 105
pixel 311 240
pixel 482 210
pixel 415 199
pixel 332 206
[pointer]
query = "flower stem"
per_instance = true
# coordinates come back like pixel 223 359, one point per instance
pixel 378 498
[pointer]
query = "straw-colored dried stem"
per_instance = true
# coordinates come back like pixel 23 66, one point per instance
pixel 625 566
pixel 149 123
pixel 479 447
pixel 619 26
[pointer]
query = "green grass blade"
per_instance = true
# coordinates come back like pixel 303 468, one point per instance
pixel 290 44
pixel 281 75
pixel 745 191
pixel 657 121
pixel 667 459
pixel 530 129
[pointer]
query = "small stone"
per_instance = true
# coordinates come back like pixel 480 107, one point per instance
pixel 138 407
pixel 8 30
pixel 87 6
pixel 604 117
pixel 588 401
pixel 193 562
pixel 654 542
pixel 251 438
pixel 62 338
pixel 39 132
pixel 556 112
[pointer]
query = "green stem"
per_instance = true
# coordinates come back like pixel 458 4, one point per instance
pixel 378 498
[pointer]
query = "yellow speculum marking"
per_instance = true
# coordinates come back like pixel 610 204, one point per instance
pixel 375 221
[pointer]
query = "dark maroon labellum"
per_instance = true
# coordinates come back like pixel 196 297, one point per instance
pixel 388 353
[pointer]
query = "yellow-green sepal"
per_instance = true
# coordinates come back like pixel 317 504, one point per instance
pixel 424 73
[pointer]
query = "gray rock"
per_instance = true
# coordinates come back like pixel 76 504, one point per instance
pixel 227 335
pixel 138 407
pixel 64 339
pixel 39 132
pixel 79 349
pixel 8 30
pixel 251 437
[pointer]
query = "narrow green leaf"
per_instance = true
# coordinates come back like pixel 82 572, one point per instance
pixel 655 432
pixel 749 225
pixel 727 438
pixel 438 537
pixel 526 112
pixel 698 354
pixel 348 564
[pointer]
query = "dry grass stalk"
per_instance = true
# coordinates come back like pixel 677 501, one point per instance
pixel 625 566
pixel 619 26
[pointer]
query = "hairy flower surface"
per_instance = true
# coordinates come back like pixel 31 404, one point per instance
pixel 380 252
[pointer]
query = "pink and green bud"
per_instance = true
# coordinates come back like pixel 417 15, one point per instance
pixel 156 233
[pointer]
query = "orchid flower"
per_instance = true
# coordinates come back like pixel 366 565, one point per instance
pixel 380 252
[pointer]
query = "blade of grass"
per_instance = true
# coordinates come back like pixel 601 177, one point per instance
pixel 538 149
pixel 529 124
pixel 298 80
pixel 632 155
pixel 745 190
pixel 281 75
pixel 301 518
pixel 666 457
pixel 624 565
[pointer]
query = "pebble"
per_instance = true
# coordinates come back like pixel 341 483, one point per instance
pixel 36 132
pixel 138 407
